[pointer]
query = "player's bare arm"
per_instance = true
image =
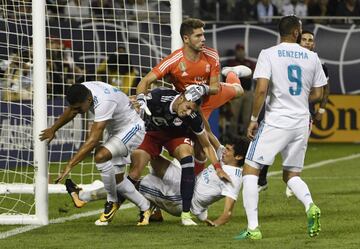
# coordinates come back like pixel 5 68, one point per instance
pixel 226 215
pixel 145 83
pixel 210 153
pixel 262 85
pixel 324 100
pixel 49 133
pixel 91 142
pixel 315 94
pixel 212 138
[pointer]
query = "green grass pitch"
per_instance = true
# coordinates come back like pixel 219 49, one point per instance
pixel 335 189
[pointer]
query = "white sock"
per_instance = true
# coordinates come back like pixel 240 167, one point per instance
pixel 128 190
pixel 301 191
pixel 251 199
pixel 108 178
pixel 93 194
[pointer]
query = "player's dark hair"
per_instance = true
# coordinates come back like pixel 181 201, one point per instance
pixel 307 32
pixel 287 24
pixel 240 145
pixel 189 25
pixel 77 93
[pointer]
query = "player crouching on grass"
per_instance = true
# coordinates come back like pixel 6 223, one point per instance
pixel 162 186
pixel 112 111
pixel 173 122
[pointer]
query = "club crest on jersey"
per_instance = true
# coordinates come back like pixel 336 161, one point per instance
pixel 182 67
pixel 177 121
pixel 207 68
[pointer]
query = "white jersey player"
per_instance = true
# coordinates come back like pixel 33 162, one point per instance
pixel 163 190
pixel 112 110
pixel 296 77
pixel 162 185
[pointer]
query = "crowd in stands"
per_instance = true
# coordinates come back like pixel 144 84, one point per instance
pixel 115 67
pixel 62 71
pixel 263 11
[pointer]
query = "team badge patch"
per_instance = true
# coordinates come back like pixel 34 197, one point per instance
pixel 182 67
pixel 177 121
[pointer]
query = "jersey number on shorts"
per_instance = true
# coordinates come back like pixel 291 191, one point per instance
pixel 294 75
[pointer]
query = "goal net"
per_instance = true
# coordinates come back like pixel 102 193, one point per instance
pixel 114 41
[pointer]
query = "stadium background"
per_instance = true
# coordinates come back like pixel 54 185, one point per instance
pixel 337 45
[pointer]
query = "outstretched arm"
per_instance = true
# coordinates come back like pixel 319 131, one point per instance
pixel 210 153
pixel 91 142
pixel 212 138
pixel 49 133
pixel 226 215
pixel 145 83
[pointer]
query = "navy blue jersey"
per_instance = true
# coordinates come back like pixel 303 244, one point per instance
pixel 159 101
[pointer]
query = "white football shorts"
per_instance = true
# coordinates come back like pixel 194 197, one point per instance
pixel 270 140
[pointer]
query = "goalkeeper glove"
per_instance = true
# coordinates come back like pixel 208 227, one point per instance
pixel 195 92
pixel 141 99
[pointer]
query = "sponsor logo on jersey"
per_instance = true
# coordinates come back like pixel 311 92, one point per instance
pixel 177 121
pixel 261 158
pixel 200 80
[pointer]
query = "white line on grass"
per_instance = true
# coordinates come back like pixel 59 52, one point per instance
pixel 24 229
pixel 320 164
pixel 127 206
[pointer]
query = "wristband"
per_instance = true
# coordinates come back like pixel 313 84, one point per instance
pixel 206 89
pixel 321 110
pixel 253 118
pixel 217 165
pixel 140 96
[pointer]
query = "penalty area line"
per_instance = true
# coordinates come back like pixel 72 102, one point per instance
pixel 27 228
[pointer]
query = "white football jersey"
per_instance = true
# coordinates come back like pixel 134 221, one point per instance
pixel 209 188
pixel 292 71
pixel 113 105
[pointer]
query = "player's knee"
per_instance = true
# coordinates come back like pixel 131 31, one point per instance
pixel 239 90
pixel 100 158
pixel 102 155
pixel 183 150
pixel 287 175
pixel 135 173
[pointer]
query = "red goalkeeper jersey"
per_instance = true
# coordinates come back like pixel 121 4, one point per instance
pixel 184 72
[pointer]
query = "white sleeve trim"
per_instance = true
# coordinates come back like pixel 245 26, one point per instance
pixel 199 133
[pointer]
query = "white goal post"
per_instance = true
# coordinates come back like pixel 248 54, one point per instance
pixel 31 28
